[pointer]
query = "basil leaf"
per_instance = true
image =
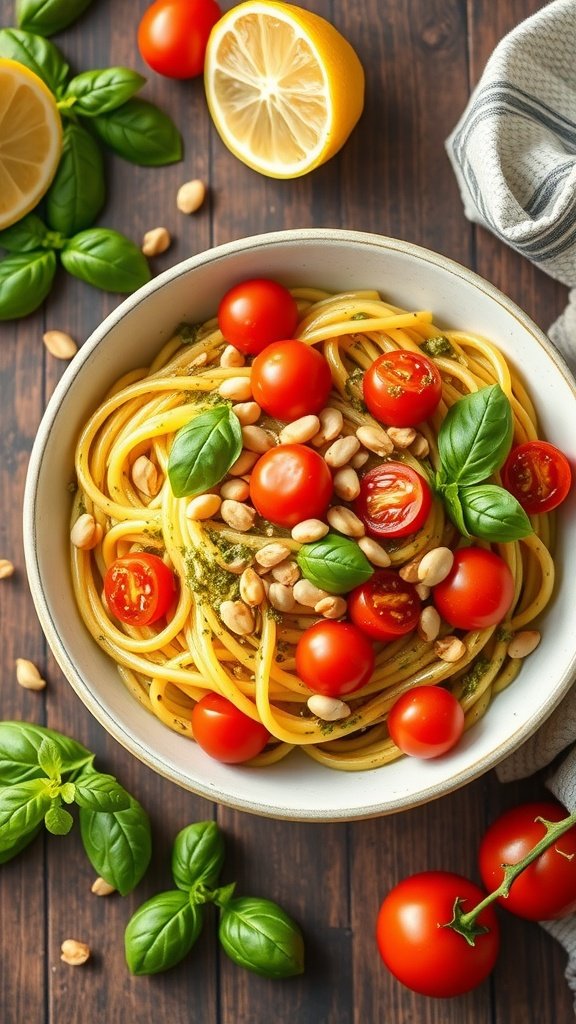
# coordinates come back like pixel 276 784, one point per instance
pixel 335 564
pixel 118 845
pixel 24 236
pixel 99 792
pixel 97 92
pixel 203 451
pixel 141 133
pixel 492 513
pixel 78 191
pixel 22 808
pixel 476 435
pixel 42 57
pixel 197 855
pixel 49 758
pixel 19 845
pixel 161 932
pixel 259 935
pixel 454 508
pixel 106 259
pixel 25 281
pixel 58 820
pixel 20 743
pixel 49 16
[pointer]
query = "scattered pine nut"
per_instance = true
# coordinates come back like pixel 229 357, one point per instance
pixel 247 413
pixel 429 624
pixel 345 521
pixel 237 389
pixel 190 196
pixel 450 649
pixel 6 568
pixel 286 572
pixel 236 489
pixel 401 437
pixel 155 241
pixel 309 530
pixel 523 643
pixel 346 483
pixel 409 571
pixel 375 440
pixel 331 423
pixel 341 451
pixel 28 675
pixel 74 952
pixel 360 459
pixel 256 439
pixel 272 554
pixel 331 607
pixel 435 566
pixel 237 515
pixel 374 552
pixel 243 463
pixel 307 594
pixel 237 616
pixel 203 506
pixel 100 887
pixel 329 709
pixel 300 431
pixel 86 533
pixel 145 476
pixel 281 597
pixel 252 589
pixel 60 344
pixel 232 357
pixel 423 591
pixel 420 447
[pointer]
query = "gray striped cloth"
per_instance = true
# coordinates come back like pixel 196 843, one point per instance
pixel 514 155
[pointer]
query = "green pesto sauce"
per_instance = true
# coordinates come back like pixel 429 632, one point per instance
pixel 360 316
pixel 474 675
pixel 439 346
pixel 354 390
pixel 229 551
pixel 188 333
pixel 208 580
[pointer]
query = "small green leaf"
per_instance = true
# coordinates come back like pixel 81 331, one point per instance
pixel 492 513
pixel 97 92
pixel 118 845
pixel 451 493
pixel 68 792
pixel 49 758
pixel 78 191
pixel 20 743
pixel 37 54
pixel 197 855
pixel 203 451
pixel 335 564
pixel 26 235
pixel 98 792
pixel 58 821
pixel 106 260
pixel 161 932
pixel 476 436
pixel 140 132
pixel 25 281
pixel 22 807
pixel 46 17
pixel 259 935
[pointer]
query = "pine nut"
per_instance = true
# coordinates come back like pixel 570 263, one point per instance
pixel 287 572
pixel 272 554
pixel 6 568
pixel 232 357
pixel 360 459
pixel 329 709
pixel 331 607
pixel 28 675
pixel 307 594
pixel 345 521
pixel 155 241
pixel 100 887
pixel 244 463
pixel 281 597
pixel 309 530
pixel 523 643
pixel 420 447
pixel 86 533
pixel 237 389
pixel 409 571
pixel 423 591
pixel 247 413
pixel 236 489
pixel 435 566
pixel 60 344
pixel 145 476
pixel 203 506
pixel 375 439
pixel 450 649
pixel 331 423
pixel 74 952
pixel 256 439
pixel 190 196
pixel 341 451
pixel 251 588
pixel 429 624
pixel 237 515
pixel 346 483
pixel 300 431
pixel 237 616
pixel 374 552
pixel 401 437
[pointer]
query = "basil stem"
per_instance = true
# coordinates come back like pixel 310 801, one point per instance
pixel 106 259
pixel 22 808
pixel 25 280
pixel 98 792
pixel 20 743
pixel 492 513
pixel 37 54
pixel 78 191
pixel 26 235
pixel 203 451
pixel 161 932
pixel 48 16
pixel 117 844
pixel 259 935
pixel 98 92
pixel 476 436
pixel 197 855
pixel 140 132
pixel 335 564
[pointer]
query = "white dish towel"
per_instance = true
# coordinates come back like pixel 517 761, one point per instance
pixel 514 155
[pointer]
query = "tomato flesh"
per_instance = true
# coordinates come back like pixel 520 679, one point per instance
pixel 385 607
pixel 426 721
pixel 173 34
pixel 478 591
pixel 402 388
pixel 538 475
pixel 226 733
pixel 290 483
pixel 334 658
pixel 253 314
pixel 290 380
pixel 139 588
pixel 394 500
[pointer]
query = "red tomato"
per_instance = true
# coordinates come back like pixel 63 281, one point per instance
pixel 402 388
pixel 291 379
pixel 334 658
pixel 419 950
pixel 546 889
pixel 172 35
pixel 290 483
pixel 224 732
pixel 255 313
pixel 426 721
pixel 477 592
pixel 139 588
pixel 394 500
pixel 385 607
pixel 538 475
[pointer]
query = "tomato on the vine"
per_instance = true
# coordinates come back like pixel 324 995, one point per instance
pixel 226 733
pixel 478 590
pixel 394 500
pixel 173 34
pixel 290 483
pixel 334 658
pixel 385 607
pixel 290 379
pixel 402 388
pixel 139 588
pixel 426 721
pixel 546 889
pixel 418 947
pixel 255 313
pixel 538 475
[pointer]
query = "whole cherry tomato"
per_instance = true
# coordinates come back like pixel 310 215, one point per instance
pixel 426 721
pixel 290 483
pixel 172 36
pixel 402 388
pixel 546 889
pixel 334 658
pixel 139 588
pixel 290 379
pixel 394 500
pixel 418 947
pixel 226 733
pixel 477 592
pixel 385 607
pixel 255 313
pixel 538 475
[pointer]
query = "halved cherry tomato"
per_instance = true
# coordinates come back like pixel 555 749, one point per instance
pixel 139 588
pixel 172 35
pixel 426 721
pixel 538 475
pixel 290 379
pixel 255 313
pixel 478 590
pixel 334 658
pixel 402 388
pixel 394 500
pixel 225 732
pixel 385 607
pixel 290 483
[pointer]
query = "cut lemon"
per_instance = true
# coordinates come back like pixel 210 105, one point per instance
pixel 284 88
pixel 30 140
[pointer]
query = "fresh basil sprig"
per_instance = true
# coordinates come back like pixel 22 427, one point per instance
pixel 161 932
pixel 78 191
pixel 25 281
pixel 335 564
pixel 105 259
pixel 204 450
pixel 49 16
pixel 118 844
pixel 98 92
pixel 197 855
pixel 37 54
pixel 139 132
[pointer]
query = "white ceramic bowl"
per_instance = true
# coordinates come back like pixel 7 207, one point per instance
pixel 413 277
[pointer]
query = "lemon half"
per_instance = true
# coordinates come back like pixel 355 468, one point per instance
pixel 30 140
pixel 283 86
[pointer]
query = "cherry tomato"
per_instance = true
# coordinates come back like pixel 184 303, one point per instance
pixel 139 588
pixel 538 475
pixel 385 607
pixel 172 36
pixel 402 388
pixel 546 889
pixel 224 732
pixel 419 950
pixel 334 658
pixel 291 379
pixel 255 313
pixel 394 500
pixel 426 721
pixel 290 483
pixel 477 592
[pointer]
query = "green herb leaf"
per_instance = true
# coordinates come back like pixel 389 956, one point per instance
pixel 24 236
pixel 49 758
pixel 12 851
pixel 161 932
pixel 492 513
pixel 453 504
pixel 99 792
pixel 203 451
pixel 118 845
pixel 58 820
pixel 259 935
pixel 476 435
pixel 78 191
pixel 68 792
pixel 25 281
pixel 20 743
pixel 140 132
pixel 97 92
pixel 335 564
pixel 42 57
pixel 106 259
pixel 22 807
pixel 197 855
pixel 46 17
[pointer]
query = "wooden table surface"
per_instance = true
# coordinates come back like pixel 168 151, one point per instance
pixel 421 59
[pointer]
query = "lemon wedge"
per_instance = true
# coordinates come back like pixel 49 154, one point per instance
pixel 30 140
pixel 284 88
